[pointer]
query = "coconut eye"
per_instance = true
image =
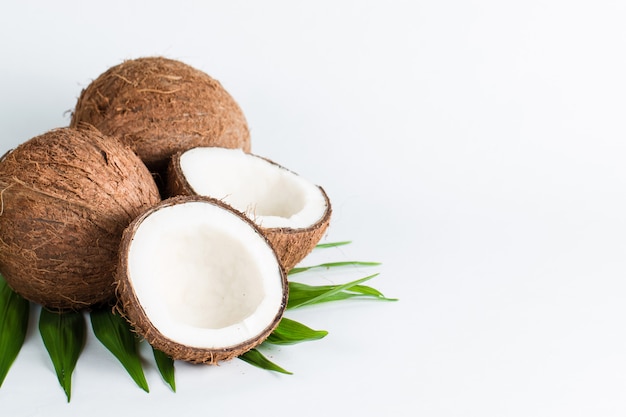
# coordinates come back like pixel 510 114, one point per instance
pixel 292 212
pixel 200 281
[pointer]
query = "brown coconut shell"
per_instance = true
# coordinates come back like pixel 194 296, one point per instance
pixel 160 106
pixel 291 244
pixel 65 198
pixel 130 307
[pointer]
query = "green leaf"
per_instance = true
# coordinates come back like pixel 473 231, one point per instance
pixel 332 265
pixel 14 311
pixel 63 336
pixel 166 367
pixel 290 332
pixel 115 334
pixel 303 294
pixel 332 244
pixel 256 358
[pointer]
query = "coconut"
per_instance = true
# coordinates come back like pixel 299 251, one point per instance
pixel 160 106
pixel 199 281
pixel 65 198
pixel 292 212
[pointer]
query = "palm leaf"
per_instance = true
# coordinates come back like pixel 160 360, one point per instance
pixel 329 265
pixel 256 358
pixel 165 364
pixel 63 336
pixel 289 332
pixel 303 294
pixel 332 244
pixel 14 312
pixel 115 334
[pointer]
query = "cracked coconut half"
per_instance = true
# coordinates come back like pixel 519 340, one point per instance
pixel 199 281
pixel 293 213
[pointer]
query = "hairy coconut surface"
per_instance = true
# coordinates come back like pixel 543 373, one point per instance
pixel 199 281
pixel 65 198
pixel 293 213
pixel 160 106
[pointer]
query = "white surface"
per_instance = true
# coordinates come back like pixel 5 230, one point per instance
pixel 475 148
pixel 268 194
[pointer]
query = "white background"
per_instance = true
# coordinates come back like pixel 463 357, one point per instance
pixel 475 148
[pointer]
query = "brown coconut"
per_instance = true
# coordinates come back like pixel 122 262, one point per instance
pixel 292 244
pixel 65 198
pixel 135 303
pixel 160 106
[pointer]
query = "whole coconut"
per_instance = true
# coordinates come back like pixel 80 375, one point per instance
pixel 65 198
pixel 160 106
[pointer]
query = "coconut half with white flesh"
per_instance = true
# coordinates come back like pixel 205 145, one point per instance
pixel 292 212
pixel 199 281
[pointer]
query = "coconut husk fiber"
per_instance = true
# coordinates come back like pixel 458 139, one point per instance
pixel 66 196
pixel 159 106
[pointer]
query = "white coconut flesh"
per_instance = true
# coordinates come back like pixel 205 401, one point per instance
pixel 204 276
pixel 268 194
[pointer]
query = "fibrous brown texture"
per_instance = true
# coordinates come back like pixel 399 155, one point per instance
pixel 65 198
pixel 160 106
pixel 291 244
pixel 130 306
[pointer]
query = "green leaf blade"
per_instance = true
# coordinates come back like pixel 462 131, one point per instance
pixel 64 336
pixel 332 244
pixel 115 334
pixel 317 296
pixel 256 358
pixel 14 312
pixel 303 294
pixel 165 364
pixel 330 265
pixel 289 332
